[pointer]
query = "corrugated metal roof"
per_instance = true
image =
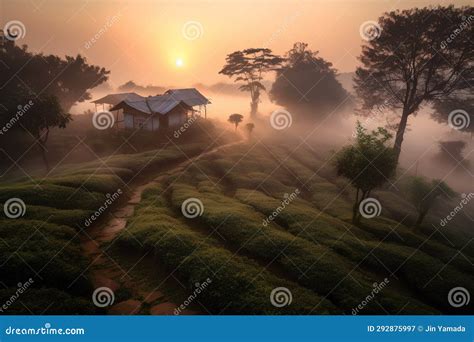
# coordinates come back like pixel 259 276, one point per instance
pixel 191 96
pixel 161 104
pixel 114 99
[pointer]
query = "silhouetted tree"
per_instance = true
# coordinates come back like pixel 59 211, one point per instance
pixel 411 62
pixel 307 80
pixel 69 78
pixel 235 119
pixel 248 66
pixel 423 195
pixel 249 127
pixel 368 163
pixel 461 109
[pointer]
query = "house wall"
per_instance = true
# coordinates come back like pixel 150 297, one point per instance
pixel 133 121
pixel 176 118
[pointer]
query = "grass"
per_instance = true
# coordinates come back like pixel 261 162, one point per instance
pixel 44 243
pixel 310 247
pixel 311 242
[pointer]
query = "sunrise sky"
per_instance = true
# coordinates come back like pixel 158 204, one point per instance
pixel 184 42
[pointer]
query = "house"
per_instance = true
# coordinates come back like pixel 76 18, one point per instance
pixel 155 112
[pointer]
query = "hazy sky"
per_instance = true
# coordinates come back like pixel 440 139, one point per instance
pixel 144 40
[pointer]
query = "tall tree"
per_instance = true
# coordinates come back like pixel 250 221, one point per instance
pixel 68 78
pixel 249 66
pixel 368 164
pixel 307 80
pixel 416 60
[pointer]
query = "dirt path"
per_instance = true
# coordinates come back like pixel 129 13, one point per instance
pixel 133 294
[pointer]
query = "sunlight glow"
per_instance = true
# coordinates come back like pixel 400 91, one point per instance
pixel 179 63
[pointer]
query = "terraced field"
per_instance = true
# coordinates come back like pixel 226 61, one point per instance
pixel 268 215
pixel 310 247
pixel 45 243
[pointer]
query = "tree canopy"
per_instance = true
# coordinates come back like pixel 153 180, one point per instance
pixel 68 78
pixel 307 81
pixel 249 66
pixel 368 163
pixel 235 119
pixel 423 194
pixel 416 60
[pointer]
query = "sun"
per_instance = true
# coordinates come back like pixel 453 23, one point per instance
pixel 179 62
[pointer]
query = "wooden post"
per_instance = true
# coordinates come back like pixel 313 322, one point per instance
pixel 205 112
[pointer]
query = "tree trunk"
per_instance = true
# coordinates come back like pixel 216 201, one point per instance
pixel 41 139
pixel 44 156
pixel 355 208
pixel 400 132
pixel 253 108
pixel 420 218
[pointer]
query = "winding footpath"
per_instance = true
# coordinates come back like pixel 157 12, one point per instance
pixel 105 271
